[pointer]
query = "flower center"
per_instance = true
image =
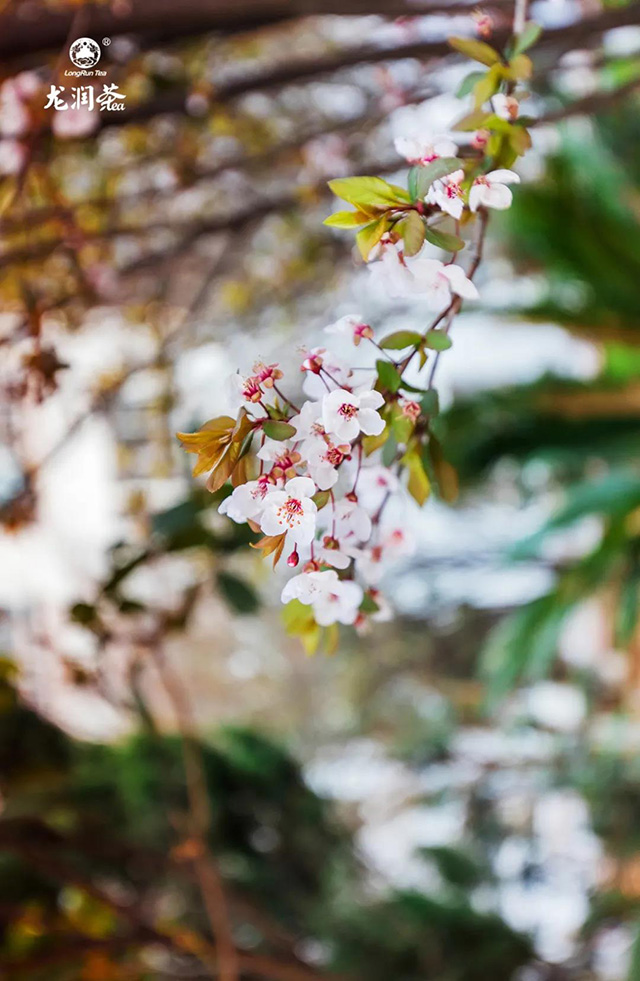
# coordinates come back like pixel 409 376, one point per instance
pixel 334 456
pixel 452 190
pixel 347 410
pixel 291 512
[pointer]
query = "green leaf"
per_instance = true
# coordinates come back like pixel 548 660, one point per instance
pixel 238 594
pixel 441 473
pixel 418 484
pixel 372 443
pixel 401 426
pixel 278 430
pixel 437 340
pixel 370 235
pixel 441 167
pixel 520 140
pixel 527 37
pixel 473 120
pixel 347 219
pixel 478 50
pixel 388 376
pixel 368 193
pixel 488 86
pixel 634 966
pixel 520 68
pixel 401 339
pixel 430 403
pixel 443 240
pixel 411 228
pixel 412 183
pixel 468 84
pixel 628 608
pixel 368 604
pixel 321 499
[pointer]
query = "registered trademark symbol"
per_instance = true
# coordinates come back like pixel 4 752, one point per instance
pixel 106 41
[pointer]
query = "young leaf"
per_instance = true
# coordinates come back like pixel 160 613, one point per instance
pixel 527 38
pixel 478 50
pixel 278 430
pixel 400 339
pixel 388 376
pixel 488 86
pixel 468 83
pixel 430 403
pixel 441 472
pixel 473 120
pixel 412 183
pixel 438 168
pixel 418 484
pixel 411 228
pixel 369 193
pixel 347 219
pixel 520 68
pixel 372 443
pixel 437 340
pixel 299 621
pixel 321 499
pixel 370 235
pixel 401 426
pixel 443 240
pixel 368 604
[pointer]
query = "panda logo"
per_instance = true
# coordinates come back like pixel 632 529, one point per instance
pixel 85 52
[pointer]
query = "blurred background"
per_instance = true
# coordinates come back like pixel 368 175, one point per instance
pixel 184 793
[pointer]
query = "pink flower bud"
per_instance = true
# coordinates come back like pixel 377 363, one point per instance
pixel 293 559
pixel 484 23
pixel 480 139
pixel 313 364
pixel 410 409
pixel 360 331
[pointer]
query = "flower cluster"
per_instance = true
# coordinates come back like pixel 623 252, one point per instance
pixel 314 479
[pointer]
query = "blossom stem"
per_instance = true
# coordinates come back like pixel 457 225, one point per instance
pixel 286 400
pixel 355 483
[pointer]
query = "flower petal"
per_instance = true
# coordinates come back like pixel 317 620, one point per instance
pixel 503 177
pixel 300 487
pixel 371 422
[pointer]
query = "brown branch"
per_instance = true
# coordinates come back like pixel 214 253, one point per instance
pixel 209 877
pixel 302 70
pixel 156 21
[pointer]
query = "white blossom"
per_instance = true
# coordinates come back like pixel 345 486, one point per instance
pixel 505 106
pixel 447 194
pixel 323 461
pixel 291 511
pixel 330 373
pixel 426 148
pixel 353 326
pixel 247 501
pixel 490 190
pixel 345 414
pixel 405 275
pixel 333 600
pixel 349 522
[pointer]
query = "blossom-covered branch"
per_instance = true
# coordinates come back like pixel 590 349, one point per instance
pixel 315 481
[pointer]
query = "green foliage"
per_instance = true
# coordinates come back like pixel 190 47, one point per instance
pixel 592 278
pixel 115 813
pixel 427 938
